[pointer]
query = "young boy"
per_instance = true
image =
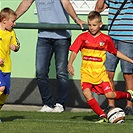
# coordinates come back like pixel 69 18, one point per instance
pixel 8 41
pixel 93 46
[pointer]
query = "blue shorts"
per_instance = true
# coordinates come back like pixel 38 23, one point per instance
pixel 112 61
pixel 5 81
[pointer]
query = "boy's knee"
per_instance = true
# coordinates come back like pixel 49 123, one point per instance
pixel 110 95
pixel 87 93
pixel 2 88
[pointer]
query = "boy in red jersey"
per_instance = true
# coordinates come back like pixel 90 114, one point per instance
pixel 93 46
pixel 8 41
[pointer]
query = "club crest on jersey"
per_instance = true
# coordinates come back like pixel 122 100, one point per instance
pixel 0 39
pixel 102 44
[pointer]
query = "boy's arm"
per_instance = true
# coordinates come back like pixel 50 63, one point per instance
pixel 70 63
pixel 100 6
pixel 124 57
pixel 15 44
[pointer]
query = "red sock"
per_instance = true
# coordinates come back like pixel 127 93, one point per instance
pixel 122 95
pixel 95 107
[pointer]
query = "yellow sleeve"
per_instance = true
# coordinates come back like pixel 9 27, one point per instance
pixel 2 55
pixel 14 39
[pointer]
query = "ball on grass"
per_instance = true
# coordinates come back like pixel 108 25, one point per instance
pixel 116 115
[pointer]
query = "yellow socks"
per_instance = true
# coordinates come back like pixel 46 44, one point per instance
pixel 1 93
pixel 3 98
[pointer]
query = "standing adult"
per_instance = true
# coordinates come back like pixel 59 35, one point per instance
pixel 51 42
pixel 121 32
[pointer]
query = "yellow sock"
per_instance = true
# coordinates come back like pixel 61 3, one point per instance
pixel 3 98
pixel 1 93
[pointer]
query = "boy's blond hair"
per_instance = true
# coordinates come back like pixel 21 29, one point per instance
pixel 6 13
pixel 94 15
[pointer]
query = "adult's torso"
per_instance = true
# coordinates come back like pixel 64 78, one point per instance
pixel 52 11
pixel 122 28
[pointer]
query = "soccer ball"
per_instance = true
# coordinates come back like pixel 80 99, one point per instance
pixel 116 115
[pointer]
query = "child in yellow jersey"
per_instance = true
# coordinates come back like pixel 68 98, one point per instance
pixel 8 41
pixel 93 45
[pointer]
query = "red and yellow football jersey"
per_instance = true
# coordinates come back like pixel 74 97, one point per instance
pixel 93 51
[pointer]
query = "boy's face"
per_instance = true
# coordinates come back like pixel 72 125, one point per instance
pixel 9 23
pixel 94 26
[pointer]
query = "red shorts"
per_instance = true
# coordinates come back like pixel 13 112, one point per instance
pixel 100 89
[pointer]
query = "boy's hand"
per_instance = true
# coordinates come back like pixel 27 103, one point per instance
pixel 71 70
pixel 14 48
pixel 1 61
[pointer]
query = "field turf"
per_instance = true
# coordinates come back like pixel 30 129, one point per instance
pixel 66 122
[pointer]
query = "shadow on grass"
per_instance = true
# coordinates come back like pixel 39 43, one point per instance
pixel 90 118
pixel 86 118
pixel 12 118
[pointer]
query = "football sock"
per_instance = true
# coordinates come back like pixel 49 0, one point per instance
pixel 95 107
pixel 122 95
pixel 1 93
pixel 3 98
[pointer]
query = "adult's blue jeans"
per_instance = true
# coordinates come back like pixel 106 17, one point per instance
pixel 46 47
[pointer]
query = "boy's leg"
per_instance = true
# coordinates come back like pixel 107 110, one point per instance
pixel 122 95
pixel 96 108
pixel 87 92
pixel 93 103
pixel 3 98
pixel 4 88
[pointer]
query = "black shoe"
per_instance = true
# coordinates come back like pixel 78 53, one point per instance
pixel 128 110
pixel 108 109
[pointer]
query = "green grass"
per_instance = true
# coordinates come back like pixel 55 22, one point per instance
pixel 66 122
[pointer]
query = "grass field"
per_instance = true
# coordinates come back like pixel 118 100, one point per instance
pixel 66 122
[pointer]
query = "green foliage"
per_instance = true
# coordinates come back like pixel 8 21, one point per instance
pixel 66 122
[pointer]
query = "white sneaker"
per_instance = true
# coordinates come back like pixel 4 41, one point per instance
pixel 58 108
pixel 46 108
pixel 0 121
